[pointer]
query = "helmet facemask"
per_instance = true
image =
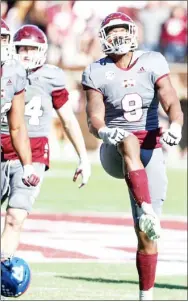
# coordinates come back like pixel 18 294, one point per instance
pixel 6 48
pixel 32 58
pixel 118 42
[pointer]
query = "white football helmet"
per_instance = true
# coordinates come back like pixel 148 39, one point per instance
pixel 6 48
pixel 31 35
pixel 118 42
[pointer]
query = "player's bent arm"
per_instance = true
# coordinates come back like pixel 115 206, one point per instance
pixel 95 110
pixel 169 100
pixel 18 130
pixel 72 129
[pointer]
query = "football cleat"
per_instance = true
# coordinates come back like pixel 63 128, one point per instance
pixel 15 277
pixel 149 222
pixel 150 225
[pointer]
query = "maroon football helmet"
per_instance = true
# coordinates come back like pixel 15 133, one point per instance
pixel 6 47
pixel 31 35
pixel 119 42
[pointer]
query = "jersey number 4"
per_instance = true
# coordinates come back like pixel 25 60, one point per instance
pixel 132 106
pixel 33 109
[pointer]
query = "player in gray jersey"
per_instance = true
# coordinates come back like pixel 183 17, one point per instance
pixel 123 91
pixel 45 91
pixel 13 81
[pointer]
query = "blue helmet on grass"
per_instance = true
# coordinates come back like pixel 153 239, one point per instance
pixel 15 277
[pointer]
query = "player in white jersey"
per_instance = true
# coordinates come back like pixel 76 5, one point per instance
pixel 123 91
pixel 45 90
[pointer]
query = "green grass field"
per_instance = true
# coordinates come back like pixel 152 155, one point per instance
pixel 99 281
pixel 103 193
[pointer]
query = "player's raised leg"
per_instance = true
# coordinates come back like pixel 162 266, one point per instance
pixel 135 174
pixel 137 181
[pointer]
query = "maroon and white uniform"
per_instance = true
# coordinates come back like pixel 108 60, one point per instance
pixel 45 90
pixel 131 103
pixel 129 94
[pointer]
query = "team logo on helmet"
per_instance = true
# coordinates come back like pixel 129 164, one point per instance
pixel 15 277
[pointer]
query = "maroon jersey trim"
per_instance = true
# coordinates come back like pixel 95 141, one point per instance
pixel 19 92
pixel 163 76
pixel 129 67
pixel 85 87
pixel 59 98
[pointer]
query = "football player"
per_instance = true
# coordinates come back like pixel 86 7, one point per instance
pixel 13 81
pixel 45 91
pixel 123 91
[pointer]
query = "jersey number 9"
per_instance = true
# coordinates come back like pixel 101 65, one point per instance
pixel 132 106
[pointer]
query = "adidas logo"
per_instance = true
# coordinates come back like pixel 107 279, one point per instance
pixel 9 82
pixel 141 69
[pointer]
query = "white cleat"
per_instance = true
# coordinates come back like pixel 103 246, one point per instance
pixel 149 222
pixel 150 226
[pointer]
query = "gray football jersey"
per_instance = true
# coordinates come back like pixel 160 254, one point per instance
pixel 41 84
pixel 129 94
pixel 13 81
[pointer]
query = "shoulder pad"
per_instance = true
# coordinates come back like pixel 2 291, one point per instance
pixel 16 67
pixel 54 75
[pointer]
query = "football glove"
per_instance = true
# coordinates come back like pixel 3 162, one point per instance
pixel 83 169
pixel 112 136
pixel 149 222
pixel 29 177
pixel 172 136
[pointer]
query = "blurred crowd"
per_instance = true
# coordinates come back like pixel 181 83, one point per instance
pixel 72 26
pixel 72 31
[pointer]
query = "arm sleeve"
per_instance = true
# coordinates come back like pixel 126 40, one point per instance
pixel 59 98
pixel 58 92
pixel 20 80
pixel 88 80
pixel 160 67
